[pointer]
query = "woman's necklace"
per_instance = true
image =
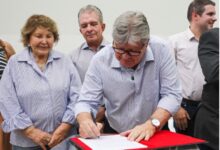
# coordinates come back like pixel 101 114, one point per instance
pixel 41 66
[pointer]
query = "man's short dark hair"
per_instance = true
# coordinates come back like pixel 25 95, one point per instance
pixel 198 6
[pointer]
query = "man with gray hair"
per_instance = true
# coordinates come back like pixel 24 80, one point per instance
pixel 91 26
pixel 138 77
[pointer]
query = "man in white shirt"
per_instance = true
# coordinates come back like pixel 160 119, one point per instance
pixel 201 16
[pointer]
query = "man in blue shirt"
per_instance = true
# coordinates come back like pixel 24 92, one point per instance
pixel 91 26
pixel 138 77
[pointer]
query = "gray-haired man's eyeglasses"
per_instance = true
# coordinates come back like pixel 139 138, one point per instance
pixel 129 52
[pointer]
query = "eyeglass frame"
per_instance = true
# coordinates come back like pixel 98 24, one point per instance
pixel 123 51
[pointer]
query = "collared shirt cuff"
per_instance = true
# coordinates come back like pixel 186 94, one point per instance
pixel 69 117
pixel 20 121
pixel 81 107
pixel 170 104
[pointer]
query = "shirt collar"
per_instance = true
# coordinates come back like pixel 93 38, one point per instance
pixel 27 56
pixel 190 35
pixel 103 44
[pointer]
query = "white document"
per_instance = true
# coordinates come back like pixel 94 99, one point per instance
pixel 111 142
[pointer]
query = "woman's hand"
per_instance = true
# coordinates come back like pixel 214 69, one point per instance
pixel 38 136
pixel 59 134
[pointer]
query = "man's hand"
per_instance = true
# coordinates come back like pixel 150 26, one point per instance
pixel 59 134
pixel 143 131
pixel 87 127
pixel 147 130
pixel 181 119
pixel 38 136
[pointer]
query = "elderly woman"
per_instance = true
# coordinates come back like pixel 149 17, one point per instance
pixel 38 90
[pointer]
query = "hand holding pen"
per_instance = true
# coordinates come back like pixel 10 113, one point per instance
pixel 99 125
pixel 87 127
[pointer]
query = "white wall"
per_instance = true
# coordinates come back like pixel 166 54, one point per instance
pixel 165 17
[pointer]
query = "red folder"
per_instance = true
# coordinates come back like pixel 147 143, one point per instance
pixel 161 139
pixel 165 138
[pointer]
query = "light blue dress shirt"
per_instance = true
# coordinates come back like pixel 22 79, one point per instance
pixel 29 96
pixel 132 95
pixel 82 56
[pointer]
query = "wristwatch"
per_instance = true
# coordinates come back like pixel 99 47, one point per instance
pixel 156 123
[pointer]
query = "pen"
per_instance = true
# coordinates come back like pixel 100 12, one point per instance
pixel 93 119
pixel 47 147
